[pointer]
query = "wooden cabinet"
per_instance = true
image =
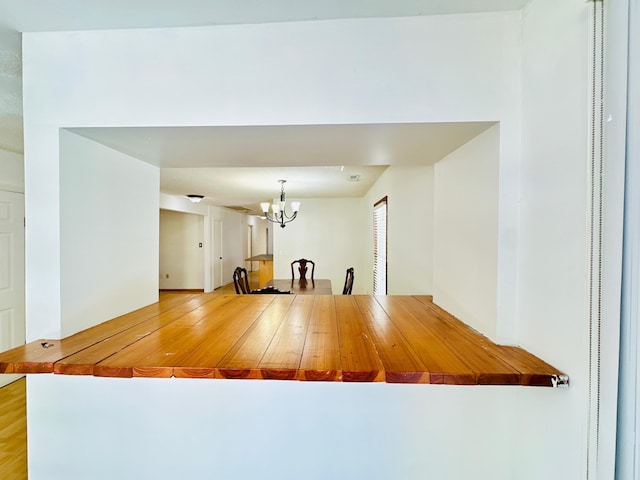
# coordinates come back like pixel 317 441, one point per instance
pixel 265 269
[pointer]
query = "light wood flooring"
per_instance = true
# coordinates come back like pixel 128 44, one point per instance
pixel 13 431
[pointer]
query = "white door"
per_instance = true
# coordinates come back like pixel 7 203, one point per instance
pixel 12 319
pixel 217 254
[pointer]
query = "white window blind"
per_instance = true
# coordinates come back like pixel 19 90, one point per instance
pixel 380 247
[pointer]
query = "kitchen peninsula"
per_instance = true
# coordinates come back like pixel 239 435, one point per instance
pixel 266 267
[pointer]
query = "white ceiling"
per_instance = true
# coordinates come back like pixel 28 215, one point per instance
pixel 240 166
pixel 58 15
pixel 288 145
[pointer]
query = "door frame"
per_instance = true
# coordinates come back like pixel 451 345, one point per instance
pixel 18 269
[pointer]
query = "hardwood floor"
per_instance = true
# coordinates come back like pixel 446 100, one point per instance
pixel 227 289
pixel 13 431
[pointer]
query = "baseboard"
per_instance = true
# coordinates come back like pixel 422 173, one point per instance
pixel 183 290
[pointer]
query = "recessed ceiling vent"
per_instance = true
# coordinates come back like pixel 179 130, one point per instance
pixel 353 178
pixel 238 208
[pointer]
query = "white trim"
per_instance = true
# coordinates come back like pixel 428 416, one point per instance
pixel 627 26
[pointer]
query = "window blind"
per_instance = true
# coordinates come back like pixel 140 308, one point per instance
pixel 380 247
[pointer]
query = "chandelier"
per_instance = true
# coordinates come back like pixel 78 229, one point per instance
pixel 278 214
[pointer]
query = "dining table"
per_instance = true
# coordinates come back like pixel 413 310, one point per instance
pixel 299 286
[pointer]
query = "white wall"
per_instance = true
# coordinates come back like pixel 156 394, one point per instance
pixel 619 335
pixel 465 232
pixel 328 231
pixel 409 192
pixel 181 250
pixel 552 264
pixel 423 69
pixel 259 239
pixel 11 136
pixel 336 72
pixel 108 234
pixel 11 171
pixel 261 243
pixel 233 228
pixel 11 132
pixel 288 430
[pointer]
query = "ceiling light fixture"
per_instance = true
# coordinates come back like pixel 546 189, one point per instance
pixel 195 198
pixel 278 214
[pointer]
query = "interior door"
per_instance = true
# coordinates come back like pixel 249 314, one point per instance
pixel 217 254
pixel 12 308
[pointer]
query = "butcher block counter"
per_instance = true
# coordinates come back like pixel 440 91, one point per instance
pixel 336 338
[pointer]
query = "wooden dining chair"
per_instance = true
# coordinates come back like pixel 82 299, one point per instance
pixel 302 268
pixel 241 281
pixel 348 282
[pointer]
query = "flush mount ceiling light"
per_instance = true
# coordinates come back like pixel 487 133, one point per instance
pixel 195 198
pixel 278 214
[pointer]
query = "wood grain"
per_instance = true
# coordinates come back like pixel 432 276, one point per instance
pixel 534 371
pixel 191 311
pixel 465 343
pixel 281 360
pixel 34 357
pixel 397 339
pixel 242 360
pixel 41 355
pixel 443 365
pixel 358 355
pixel 321 356
pixel 223 331
pixel 401 363
pixel 13 431
pixel 157 354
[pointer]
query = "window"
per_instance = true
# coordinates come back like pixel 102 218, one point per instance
pixel 380 247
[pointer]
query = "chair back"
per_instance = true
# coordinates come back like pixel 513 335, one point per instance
pixel 348 282
pixel 241 281
pixel 303 268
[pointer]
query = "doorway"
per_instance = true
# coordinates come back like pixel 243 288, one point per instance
pixel 181 262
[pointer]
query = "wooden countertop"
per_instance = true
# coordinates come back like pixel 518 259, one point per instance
pixel 264 257
pixel 397 339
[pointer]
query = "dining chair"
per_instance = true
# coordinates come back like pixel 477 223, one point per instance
pixel 302 268
pixel 241 281
pixel 348 282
